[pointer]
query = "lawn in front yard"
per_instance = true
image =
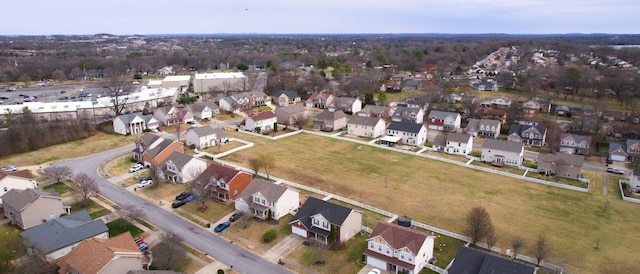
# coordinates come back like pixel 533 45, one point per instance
pixel 441 194
pixel 252 229
pixel 119 226
pixel 226 147
pixel 166 191
pixel 120 165
pixel 91 207
pixel 62 189
pixel 347 260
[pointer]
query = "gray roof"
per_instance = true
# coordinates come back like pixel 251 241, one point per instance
pixel 153 152
pixel 199 107
pixel 361 120
pixel 440 140
pixel 178 159
pixel 405 127
pixel 270 191
pixel 373 109
pixel 472 261
pixel 292 109
pixel 458 137
pixel 256 93
pixel 334 213
pixel 615 146
pixel 64 231
pixel 518 129
pixel 202 131
pixel 127 118
pixel 405 111
pixel 502 145
pixel 566 158
pixel 289 93
pixel 328 115
pixel 441 115
pixel 344 102
pixel 578 138
pixel 19 199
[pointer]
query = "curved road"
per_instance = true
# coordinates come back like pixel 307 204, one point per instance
pixel 242 260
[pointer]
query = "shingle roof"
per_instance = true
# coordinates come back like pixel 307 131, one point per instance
pixel 127 118
pixel 148 138
pixel 64 231
pixel 178 159
pixel 361 120
pixel 405 127
pixel 566 158
pixel 219 172
pixel 270 191
pixel 19 199
pixel 502 145
pixel 334 213
pixel 399 236
pixel 440 140
pixel 202 131
pixel 93 254
pixel 373 109
pixel 576 137
pixel 615 146
pixel 441 115
pixel 24 173
pixel 458 137
pixel 469 260
pixel 518 129
pixel 328 115
pixel 153 152
pixel 262 116
pixel 292 109
pixel 289 93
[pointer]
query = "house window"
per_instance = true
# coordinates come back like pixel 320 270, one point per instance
pixel 371 245
pixel 316 222
pixel 325 225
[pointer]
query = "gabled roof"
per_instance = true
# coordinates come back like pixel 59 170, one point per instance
pixel 373 109
pixel 270 191
pixel 405 111
pixel 399 236
pixel 256 93
pixel 148 138
pixel 64 231
pixel 441 115
pixel 469 260
pixel 93 254
pixel 405 127
pixel 262 116
pixel 576 137
pixel 323 94
pixel 502 145
pixel 292 109
pixel 565 158
pixel 159 147
pixel 19 199
pixel 178 159
pixel 518 129
pixel 202 131
pixel 613 147
pixel 361 120
pixel 219 172
pixel 289 93
pixel 328 115
pixel 127 118
pixel 24 173
pixel 440 140
pixel 458 137
pixel 343 101
pixel 334 213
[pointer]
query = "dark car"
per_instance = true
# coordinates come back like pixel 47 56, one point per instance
pixel 182 195
pixel 178 203
pixel 222 226
pixel 190 198
pixel 4 98
pixel 236 216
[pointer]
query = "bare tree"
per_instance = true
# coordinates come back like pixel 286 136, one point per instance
pixel 492 238
pixel 118 88
pixel 255 165
pixel 128 213
pixel 300 120
pixel 177 119
pixel 267 161
pixel 171 253
pixel 517 244
pixel 57 173
pixel 478 224
pixel 85 187
pixel 540 248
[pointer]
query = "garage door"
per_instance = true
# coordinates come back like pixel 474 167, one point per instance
pixel 377 262
pixel 299 231
pixel 619 158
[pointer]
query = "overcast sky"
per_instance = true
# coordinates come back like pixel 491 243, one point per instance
pixel 43 17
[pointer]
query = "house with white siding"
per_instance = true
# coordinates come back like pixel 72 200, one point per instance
pixel 501 152
pixel 263 200
pixel 260 122
pixel 405 133
pixel 398 249
pixel 454 143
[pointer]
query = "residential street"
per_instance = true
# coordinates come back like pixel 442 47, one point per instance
pixel 228 253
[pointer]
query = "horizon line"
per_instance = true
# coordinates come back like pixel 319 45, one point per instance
pixel 328 34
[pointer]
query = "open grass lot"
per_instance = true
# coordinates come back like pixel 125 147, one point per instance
pixel 120 165
pixel 348 260
pixel 99 142
pixel 441 194
pixel 219 149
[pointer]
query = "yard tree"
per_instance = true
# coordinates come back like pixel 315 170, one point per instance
pixel 255 165
pixel 492 238
pixel 368 99
pixel 177 119
pixel 170 254
pixel 479 224
pixel 118 87
pixel 382 98
pixel 128 213
pixel 85 187
pixel 57 173
pixel 267 161
pixel 540 249
pixel 517 244
pixel 300 120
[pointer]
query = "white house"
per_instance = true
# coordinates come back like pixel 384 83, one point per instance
pixel 443 120
pixel 204 110
pixel 454 143
pixel 405 133
pixel 408 114
pixel 371 127
pixel 134 123
pixel 206 136
pixel 21 180
pixel 235 102
pixel 397 249
pixel 346 104
pixel 501 152
pixel 264 199
pixel 181 168
pixel 170 115
pixel 261 122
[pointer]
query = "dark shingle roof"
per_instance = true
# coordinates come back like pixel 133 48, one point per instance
pixel 458 137
pixel 405 127
pixel 334 213
pixel 568 159
pixel 328 115
pixel 19 199
pixel 270 191
pixel 64 231
pixel 262 116
pixel 502 145
pixel 361 120
pixel 178 159
pixel 219 172
pixel 471 261
pixel 399 237
pixel 289 93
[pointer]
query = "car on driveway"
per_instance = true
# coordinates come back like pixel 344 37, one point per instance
pixel 178 203
pixel 144 183
pixel 135 168
pixel 190 198
pixel 12 89
pixel 143 246
pixel 182 195
pixel 9 168
pixel 221 227
pixel 236 216
pixel 615 170
pixel 374 271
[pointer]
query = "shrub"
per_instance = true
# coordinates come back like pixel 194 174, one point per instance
pixel 476 154
pixel 269 236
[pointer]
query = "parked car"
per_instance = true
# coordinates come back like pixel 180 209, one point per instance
pixel 143 246
pixel 182 195
pixel 144 183
pixel 236 216
pixel 9 168
pixel 63 98
pixel 221 227
pixel 4 98
pixel 190 198
pixel 178 203
pixel 12 89
pixel 135 168
pixel 374 271
pixel 615 170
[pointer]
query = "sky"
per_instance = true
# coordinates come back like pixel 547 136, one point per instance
pixel 126 17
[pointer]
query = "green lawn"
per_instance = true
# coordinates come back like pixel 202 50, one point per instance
pixel 59 188
pixel 119 226
pixel 440 194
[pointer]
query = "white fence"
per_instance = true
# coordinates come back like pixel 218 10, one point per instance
pixel 624 198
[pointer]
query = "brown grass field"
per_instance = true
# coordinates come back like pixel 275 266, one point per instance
pixel 441 194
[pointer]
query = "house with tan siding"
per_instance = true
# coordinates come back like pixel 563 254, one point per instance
pixel 398 249
pixel 330 121
pixel 21 179
pixel 370 127
pixel 31 207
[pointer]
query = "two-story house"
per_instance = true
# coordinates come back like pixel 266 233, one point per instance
pixel 561 164
pixel 204 110
pixel 181 168
pixel 119 254
pixel 454 143
pixel 320 99
pixel 634 179
pixel 330 121
pixel 633 149
pixel 264 200
pixel 398 249
pixel 484 128
pixel 134 123
pixel 528 134
pixel 152 149
pixel 171 115
pixel 30 207
pixel 502 102
pixel 501 152
pixel 206 136
pixel 469 260
pixel 443 120
pixel 408 114
pixel 286 97
pixel 534 106
pixel 258 98
pixel 317 219
pixel 370 127
pixel 407 133
pixel 383 112
pixel 235 102
pixel 21 179
pixel 260 122
pixel 346 104
pixel 575 143
pixel 223 183
pixel 291 114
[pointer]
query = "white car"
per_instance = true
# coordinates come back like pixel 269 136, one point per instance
pixel 144 183
pixel 9 168
pixel 135 168
pixel 374 271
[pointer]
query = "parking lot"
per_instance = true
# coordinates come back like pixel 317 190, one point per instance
pixel 12 95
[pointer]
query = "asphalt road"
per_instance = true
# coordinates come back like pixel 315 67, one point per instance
pixel 230 254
